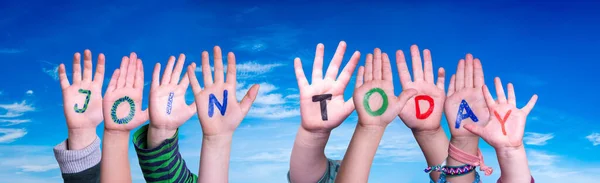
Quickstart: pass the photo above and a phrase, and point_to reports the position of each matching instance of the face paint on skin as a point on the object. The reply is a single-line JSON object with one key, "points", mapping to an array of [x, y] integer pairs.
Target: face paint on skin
{"points": [[384, 105], [128, 118], [464, 106], [170, 103], [88, 93], [212, 102], [429, 111], [323, 100], [502, 120]]}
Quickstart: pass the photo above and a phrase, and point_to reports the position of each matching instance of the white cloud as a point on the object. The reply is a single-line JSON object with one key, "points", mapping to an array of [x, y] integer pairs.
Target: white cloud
{"points": [[538, 158], [544, 169], [8, 135], [16, 109], [38, 168], [14, 121], [594, 138], [538, 139], [248, 69], [52, 72], [29, 92], [268, 103], [10, 51]]}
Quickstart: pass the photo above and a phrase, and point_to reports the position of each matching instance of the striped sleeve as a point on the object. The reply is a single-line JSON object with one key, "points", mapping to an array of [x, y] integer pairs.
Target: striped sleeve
{"points": [[163, 163]]}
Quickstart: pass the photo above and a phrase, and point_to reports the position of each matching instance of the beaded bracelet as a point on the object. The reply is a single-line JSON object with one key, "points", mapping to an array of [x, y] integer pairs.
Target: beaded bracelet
{"points": [[457, 170]]}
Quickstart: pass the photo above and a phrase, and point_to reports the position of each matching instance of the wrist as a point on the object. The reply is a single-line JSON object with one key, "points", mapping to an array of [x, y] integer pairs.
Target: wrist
{"points": [[217, 140], [427, 133], [510, 152], [311, 139], [469, 145], [158, 135], [80, 138]]}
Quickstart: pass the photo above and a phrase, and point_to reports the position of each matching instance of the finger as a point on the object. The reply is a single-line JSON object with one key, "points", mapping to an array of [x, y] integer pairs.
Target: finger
{"points": [[155, 76], [112, 85], [460, 75], [474, 129], [402, 69], [348, 107], [100, 67], [416, 63], [360, 76], [206, 72], [76, 68], [218, 59], [404, 97], [300, 77], [166, 79], [451, 87], [177, 72], [512, 99], [247, 101], [317, 74], [62, 76], [334, 65], [193, 108], [499, 91], [387, 68], [131, 70], [530, 104], [441, 78], [192, 77], [489, 100], [185, 81], [231, 69], [428, 67], [348, 70], [123, 70], [377, 62], [469, 71], [369, 68], [478, 79], [139, 75], [87, 66]]}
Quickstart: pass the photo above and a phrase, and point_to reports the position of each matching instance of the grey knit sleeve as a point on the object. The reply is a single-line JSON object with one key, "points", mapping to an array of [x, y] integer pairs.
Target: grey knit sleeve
{"points": [[75, 161]]}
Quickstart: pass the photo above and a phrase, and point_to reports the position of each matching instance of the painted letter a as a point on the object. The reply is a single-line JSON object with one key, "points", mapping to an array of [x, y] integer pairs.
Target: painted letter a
{"points": [[212, 102]]}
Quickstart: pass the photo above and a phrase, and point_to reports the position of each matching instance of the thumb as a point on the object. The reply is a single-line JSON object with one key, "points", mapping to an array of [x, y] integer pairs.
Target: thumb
{"points": [[247, 101], [404, 97], [475, 129]]}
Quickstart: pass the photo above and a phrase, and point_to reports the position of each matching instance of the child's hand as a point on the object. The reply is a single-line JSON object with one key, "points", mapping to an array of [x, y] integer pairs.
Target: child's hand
{"points": [[506, 123], [217, 106], [424, 116], [466, 86], [375, 101], [82, 100], [122, 104], [329, 90], [168, 110]]}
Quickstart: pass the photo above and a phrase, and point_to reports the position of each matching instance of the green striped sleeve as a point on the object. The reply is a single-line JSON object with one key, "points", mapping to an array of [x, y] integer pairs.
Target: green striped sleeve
{"points": [[161, 164]]}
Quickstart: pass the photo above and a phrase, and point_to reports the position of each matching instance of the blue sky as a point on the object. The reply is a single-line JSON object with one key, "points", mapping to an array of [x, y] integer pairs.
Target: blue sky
{"points": [[548, 48]]}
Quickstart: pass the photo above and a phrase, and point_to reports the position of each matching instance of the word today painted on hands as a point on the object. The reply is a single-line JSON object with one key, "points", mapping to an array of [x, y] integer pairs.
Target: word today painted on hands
{"points": [[384, 105], [464, 107], [323, 101]]}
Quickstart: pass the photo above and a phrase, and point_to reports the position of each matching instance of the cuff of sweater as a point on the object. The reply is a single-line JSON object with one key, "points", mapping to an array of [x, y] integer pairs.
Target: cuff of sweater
{"points": [[141, 145], [75, 161]]}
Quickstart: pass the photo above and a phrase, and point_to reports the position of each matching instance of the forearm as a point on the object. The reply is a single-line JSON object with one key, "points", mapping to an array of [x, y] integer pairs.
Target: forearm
{"points": [[357, 162], [80, 138], [469, 145], [214, 158], [513, 165], [115, 161], [434, 145], [308, 162]]}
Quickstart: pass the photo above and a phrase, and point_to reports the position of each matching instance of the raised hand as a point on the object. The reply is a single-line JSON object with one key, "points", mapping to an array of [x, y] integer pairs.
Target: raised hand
{"points": [[375, 100], [216, 103], [122, 104], [423, 112], [465, 103], [322, 104], [506, 123], [168, 110], [82, 100]]}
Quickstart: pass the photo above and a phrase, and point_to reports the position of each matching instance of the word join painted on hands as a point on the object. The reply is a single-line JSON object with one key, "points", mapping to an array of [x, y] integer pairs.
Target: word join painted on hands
{"points": [[502, 120], [85, 104], [126, 119], [429, 111], [468, 113], [170, 103], [323, 100], [384, 105], [212, 101]]}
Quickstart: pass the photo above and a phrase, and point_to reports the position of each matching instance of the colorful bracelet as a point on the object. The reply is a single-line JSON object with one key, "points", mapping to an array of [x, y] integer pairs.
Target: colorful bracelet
{"points": [[436, 168], [458, 170]]}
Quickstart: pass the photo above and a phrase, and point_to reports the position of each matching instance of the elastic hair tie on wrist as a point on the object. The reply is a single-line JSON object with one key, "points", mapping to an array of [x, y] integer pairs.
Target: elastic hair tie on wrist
{"points": [[466, 158]]}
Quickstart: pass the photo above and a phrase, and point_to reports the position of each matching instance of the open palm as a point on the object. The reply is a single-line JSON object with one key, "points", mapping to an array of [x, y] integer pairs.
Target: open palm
{"points": [[167, 106], [466, 85], [507, 123], [333, 91], [425, 117], [375, 101], [122, 104], [82, 100], [223, 120]]}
